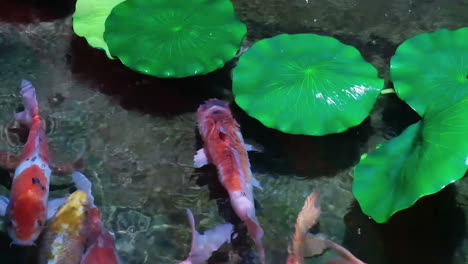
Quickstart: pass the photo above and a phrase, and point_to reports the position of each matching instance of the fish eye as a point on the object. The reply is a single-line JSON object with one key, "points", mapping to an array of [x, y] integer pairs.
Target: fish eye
{"points": [[10, 223], [215, 112], [38, 224]]}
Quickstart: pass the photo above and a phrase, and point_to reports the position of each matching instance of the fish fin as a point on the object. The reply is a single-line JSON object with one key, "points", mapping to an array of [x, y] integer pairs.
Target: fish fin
{"points": [[65, 169], [30, 104], [23, 118], [338, 261], [53, 206], [84, 184], [252, 146], [200, 158], [314, 245], [204, 245], [3, 204], [346, 256], [9, 161], [255, 182], [309, 214]]}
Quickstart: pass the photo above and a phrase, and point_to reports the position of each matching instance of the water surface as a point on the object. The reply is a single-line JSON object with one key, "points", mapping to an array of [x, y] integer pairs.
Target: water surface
{"points": [[139, 135]]}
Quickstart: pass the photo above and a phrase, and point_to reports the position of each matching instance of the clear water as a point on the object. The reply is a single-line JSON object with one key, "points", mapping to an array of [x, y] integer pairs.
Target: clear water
{"points": [[139, 135]]}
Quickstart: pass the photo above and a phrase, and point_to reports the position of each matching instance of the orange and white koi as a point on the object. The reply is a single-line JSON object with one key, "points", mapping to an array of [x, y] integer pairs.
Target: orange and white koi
{"points": [[27, 209], [100, 245], [204, 245], [225, 148], [305, 244], [63, 241]]}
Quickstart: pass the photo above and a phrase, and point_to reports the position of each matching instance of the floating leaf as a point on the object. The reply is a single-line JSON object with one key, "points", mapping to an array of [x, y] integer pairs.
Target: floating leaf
{"points": [[174, 38], [89, 19], [425, 158], [432, 68], [305, 84]]}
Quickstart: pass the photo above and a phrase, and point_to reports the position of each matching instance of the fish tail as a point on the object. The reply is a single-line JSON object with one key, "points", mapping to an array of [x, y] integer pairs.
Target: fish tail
{"points": [[82, 183], [342, 261], [31, 108], [346, 257], [244, 207], [211, 240], [338, 261], [256, 231]]}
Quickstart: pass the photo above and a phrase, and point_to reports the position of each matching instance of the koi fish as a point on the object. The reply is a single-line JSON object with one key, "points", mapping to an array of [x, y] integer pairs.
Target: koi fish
{"points": [[100, 245], [306, 218], [204, 245], [225, 148], [28, 208], [305, 244], [62, 241]]}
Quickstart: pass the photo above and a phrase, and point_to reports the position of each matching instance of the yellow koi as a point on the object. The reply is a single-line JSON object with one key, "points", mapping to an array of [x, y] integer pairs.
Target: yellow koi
{"points": [[63, 241]]}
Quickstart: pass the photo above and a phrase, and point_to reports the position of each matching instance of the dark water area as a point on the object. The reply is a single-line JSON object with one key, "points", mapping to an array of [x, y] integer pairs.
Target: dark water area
{"points": [[147, 94], [140, 135], [29, 11]]}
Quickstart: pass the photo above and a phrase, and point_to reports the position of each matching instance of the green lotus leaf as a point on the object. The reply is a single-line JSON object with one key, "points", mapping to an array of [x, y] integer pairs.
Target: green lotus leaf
{"points": [[432, 67], [174, 38], [305, 84], [425, 158], [89, 19]]}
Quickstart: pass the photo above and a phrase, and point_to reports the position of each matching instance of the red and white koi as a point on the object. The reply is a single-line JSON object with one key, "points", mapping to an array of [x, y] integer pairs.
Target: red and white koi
{"points": [[225, 148], [100, 245], [27, 209], [204, 245]]}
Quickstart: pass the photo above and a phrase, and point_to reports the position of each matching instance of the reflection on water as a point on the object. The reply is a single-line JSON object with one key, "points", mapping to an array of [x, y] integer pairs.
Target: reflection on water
{"points": [[139, 136]]}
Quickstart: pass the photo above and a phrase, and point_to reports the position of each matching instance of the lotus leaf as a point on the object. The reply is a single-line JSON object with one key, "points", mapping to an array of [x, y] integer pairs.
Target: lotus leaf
{"points": [[305, 84], [425, 158], [432, 69], [89, 19], [174, 38]]}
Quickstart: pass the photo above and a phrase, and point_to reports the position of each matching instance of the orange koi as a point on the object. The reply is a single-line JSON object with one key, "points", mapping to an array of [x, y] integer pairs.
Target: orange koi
{"points": [[225, 148], [305, 244], [100, 245], [28, 208], [62, 241], [204, 245]]}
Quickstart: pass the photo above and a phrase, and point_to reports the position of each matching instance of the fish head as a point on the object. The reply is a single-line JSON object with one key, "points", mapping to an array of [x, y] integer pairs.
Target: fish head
{"points": [[76, 206], [26, 217], [73, 212], [213, 115]]}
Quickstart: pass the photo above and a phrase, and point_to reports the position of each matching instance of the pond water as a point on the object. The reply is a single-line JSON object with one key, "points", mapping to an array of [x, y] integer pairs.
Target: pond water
{"points": [[139, 136]]}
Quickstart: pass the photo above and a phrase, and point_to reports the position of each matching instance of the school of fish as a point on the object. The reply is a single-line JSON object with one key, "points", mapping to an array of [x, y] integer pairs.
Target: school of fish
{"points": [[69, 230]]}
